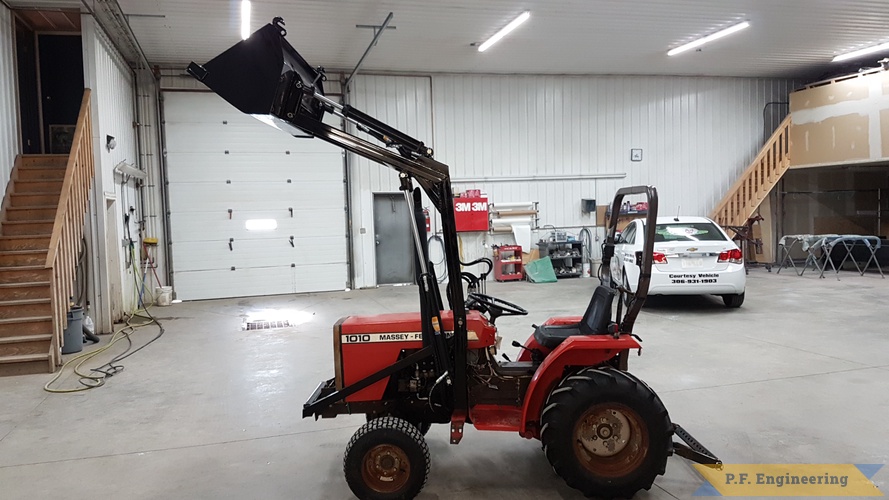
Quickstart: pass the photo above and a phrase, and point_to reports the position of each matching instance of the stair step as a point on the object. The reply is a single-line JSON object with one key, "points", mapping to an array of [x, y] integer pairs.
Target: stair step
{"points": [[39, 186], [25, 338], [13, 258], [44, 161], [25, 364], [36, 174], [24, 274], [33, 199], [16, 327], [31, 213], [24, 243], [27, 227], [25, 344], [25, 308], [19, 291]]}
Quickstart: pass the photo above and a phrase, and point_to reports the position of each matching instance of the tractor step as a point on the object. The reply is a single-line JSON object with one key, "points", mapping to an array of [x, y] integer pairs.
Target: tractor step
{"points": [[458, 418], [694, 451]]}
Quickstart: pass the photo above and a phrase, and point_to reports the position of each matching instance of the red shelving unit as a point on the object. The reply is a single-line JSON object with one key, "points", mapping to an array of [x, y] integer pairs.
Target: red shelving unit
{"points": [[508, 263]]}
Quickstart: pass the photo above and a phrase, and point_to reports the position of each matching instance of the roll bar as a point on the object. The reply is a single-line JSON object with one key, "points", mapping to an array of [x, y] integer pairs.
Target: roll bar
{"points": [[638, 300]]}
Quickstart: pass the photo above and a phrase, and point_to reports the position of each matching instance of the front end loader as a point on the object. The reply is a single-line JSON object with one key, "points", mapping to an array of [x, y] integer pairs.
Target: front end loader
{"points": [[605, 432]]}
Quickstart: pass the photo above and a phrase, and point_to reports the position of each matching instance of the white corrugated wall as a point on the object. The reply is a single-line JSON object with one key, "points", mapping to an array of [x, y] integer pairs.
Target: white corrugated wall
{"points": [[112, 84], [405, 103], [697, 136], [9, 138]]}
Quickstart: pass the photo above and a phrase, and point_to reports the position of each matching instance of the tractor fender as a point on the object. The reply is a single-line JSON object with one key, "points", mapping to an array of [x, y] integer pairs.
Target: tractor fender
{"points": [[576, 351]]}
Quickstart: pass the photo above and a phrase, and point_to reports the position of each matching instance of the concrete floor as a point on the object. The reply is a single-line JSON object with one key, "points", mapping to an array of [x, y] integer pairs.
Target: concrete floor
{"points": [[797, 375]]}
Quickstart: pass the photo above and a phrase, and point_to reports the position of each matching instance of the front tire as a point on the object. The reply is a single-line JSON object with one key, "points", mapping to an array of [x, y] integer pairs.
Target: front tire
{"points": [[733, 301], [422, 425], [606, 433], [386, 459]]}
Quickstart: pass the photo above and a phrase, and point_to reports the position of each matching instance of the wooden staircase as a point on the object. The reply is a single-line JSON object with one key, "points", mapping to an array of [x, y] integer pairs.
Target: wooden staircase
{"points": [[41, 228], [746, 195]]}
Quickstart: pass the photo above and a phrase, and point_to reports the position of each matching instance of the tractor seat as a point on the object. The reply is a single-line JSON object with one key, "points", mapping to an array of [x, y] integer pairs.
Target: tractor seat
{"points": [[595, 321]]}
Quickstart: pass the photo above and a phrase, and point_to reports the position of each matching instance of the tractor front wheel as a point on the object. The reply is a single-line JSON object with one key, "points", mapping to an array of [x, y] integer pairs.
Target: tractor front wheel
{"points": [[422, 425], [387, 459], [606, 433]]}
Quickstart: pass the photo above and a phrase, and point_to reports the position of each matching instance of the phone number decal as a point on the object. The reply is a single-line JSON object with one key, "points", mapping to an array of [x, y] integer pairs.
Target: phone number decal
{"points": [[694, 279]]}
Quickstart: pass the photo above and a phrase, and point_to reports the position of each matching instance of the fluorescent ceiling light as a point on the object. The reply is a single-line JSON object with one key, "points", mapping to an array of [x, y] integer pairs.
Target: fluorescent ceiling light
{"points": [[709, 38], [861, 52], [261, 224], [245, 19], [505, 31]]}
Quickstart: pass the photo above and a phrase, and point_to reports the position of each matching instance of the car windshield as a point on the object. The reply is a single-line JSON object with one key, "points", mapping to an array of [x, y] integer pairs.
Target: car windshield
{"points": [[688, 231]]}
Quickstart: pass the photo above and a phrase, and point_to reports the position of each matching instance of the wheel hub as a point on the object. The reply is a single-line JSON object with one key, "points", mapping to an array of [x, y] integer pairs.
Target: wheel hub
{"points": [[386, 468], [604, 433]]}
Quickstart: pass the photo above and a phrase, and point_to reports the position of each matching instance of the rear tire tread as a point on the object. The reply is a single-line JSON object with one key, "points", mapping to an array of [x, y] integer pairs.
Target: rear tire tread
{"points": [[593, 386]]}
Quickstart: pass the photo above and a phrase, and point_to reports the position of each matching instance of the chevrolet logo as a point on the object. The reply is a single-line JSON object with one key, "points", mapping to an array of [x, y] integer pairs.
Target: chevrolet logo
{"points": [[693, 249]]}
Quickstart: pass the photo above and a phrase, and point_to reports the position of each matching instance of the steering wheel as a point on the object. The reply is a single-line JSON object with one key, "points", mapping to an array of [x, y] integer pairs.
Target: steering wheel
{"points": [[494, 307]]}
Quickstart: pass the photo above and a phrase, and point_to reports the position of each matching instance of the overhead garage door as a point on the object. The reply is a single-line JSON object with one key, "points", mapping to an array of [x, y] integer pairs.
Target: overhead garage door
{"points": [[253, 210]]}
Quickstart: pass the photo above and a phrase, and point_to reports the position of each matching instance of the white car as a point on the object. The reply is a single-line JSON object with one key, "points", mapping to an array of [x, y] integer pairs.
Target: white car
{"points": [[692, 256]]}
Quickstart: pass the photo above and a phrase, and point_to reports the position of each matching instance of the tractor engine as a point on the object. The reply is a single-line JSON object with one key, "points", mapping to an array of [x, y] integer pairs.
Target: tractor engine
{"points": [[364, 345]]}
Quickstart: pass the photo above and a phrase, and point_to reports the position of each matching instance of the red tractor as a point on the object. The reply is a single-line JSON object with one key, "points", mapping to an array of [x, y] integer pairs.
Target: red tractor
{"points": [[603, 430]]}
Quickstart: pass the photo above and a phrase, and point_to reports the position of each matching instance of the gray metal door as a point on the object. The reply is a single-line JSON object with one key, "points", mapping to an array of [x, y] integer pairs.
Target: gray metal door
{"points": [[392, 235]]}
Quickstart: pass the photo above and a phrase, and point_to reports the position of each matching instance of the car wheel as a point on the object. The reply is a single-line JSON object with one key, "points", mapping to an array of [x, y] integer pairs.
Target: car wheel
{"points": [[628, 296], [733, 301]]}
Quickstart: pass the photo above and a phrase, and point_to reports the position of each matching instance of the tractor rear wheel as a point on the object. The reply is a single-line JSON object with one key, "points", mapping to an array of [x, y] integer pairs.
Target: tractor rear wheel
{"points": [[386, 459], [606, 433]]}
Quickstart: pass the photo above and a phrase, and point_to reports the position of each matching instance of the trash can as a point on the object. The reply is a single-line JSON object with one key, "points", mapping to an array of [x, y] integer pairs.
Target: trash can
{"points": [[73, 336]]}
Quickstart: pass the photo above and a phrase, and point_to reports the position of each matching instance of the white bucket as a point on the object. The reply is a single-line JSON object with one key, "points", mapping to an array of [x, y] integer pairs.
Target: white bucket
{"points": [[586, 270], [164, 295]]}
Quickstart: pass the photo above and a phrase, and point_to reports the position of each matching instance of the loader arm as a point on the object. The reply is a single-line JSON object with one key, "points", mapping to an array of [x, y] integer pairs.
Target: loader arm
{"points": [[264, 76]]}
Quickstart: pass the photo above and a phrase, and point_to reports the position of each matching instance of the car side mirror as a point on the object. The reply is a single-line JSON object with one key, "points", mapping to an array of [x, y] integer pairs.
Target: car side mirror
{"points": [[618, 239]]}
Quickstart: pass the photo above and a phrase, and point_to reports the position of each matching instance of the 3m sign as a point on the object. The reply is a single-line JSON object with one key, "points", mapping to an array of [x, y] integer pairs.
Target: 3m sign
{"points": [[471, 214]]}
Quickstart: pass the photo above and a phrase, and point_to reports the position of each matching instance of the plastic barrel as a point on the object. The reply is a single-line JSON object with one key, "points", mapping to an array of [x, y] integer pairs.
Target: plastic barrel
{"points": [[73, 336]]}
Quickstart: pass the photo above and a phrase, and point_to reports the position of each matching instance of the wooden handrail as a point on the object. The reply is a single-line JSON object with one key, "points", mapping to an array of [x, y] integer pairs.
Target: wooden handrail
{"points": [[82, 134], [6, 198], [67, 232], [745, 196]]}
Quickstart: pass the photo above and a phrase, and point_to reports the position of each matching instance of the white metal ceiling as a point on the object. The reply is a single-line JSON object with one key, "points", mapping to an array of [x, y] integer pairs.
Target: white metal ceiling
{"points": [[787, 37]]}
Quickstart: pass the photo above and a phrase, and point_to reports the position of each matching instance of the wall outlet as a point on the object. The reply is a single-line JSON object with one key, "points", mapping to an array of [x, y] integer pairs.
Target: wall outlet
{"points": [[635, 155]]}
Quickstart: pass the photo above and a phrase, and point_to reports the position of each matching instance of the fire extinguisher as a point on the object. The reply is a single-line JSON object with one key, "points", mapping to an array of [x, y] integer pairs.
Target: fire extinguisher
{"points": [[428, 222]]}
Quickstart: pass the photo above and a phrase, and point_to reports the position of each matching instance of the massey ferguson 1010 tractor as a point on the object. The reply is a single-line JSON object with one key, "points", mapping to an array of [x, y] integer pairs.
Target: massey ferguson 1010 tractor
{"points": [[603, 430]]}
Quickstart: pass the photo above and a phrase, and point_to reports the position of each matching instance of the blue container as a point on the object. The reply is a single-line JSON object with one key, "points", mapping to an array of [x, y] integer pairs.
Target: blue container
{"points": [[73, 336]]}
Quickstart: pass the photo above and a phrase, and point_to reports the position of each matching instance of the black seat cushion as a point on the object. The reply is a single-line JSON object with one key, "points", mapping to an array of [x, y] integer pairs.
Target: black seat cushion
{"points": [[595, 321]]}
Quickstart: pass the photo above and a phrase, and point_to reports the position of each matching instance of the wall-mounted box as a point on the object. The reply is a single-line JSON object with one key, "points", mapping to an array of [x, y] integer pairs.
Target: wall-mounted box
{"points": [[471, 214]]}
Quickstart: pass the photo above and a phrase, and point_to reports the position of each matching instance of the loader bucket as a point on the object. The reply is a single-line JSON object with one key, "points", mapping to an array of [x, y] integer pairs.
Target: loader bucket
{"points": [[262, 76]]}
